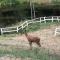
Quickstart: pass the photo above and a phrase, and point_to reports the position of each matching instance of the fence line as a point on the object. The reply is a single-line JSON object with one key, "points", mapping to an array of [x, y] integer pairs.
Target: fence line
{"points": [[26, 23]]}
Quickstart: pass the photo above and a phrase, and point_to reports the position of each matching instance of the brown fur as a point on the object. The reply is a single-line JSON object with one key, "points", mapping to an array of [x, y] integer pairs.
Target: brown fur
{"points": [[32, 39]]}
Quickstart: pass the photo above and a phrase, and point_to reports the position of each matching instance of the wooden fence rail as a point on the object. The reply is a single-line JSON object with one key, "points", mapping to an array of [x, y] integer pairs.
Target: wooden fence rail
{"points": [[26, 23]]}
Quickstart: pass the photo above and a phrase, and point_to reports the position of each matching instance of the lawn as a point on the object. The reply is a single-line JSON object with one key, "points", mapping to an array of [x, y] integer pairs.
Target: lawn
{"points": [[34, 54]]}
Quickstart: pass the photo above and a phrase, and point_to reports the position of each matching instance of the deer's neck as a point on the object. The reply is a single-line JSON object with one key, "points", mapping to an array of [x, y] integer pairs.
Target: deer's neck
{"points": [[26, 35]]}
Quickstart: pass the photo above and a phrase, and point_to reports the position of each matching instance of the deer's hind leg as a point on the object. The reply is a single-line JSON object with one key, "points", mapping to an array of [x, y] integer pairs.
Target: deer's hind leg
{"points": [[30, 43], [38, 43]]}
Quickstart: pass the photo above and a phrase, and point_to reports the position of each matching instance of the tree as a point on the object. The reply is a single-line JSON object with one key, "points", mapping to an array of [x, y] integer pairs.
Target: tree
{"points": [[31, 8], [8, 3]]}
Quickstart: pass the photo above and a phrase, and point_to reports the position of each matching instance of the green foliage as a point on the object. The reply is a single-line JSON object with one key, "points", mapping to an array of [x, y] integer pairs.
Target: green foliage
{"points": [[56, 2], [20, 10], [8, 3]]}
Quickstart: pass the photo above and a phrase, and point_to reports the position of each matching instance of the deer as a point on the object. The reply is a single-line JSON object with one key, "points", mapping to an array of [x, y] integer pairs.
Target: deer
{"points": [[32, 39]]}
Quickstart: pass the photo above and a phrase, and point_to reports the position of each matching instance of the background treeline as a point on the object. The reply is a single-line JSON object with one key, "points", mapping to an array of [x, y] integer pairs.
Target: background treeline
{"points": [[12, 11]]}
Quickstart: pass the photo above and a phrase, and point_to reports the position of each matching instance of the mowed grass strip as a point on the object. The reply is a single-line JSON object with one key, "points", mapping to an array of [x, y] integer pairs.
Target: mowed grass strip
{"points": [[34, 54]]}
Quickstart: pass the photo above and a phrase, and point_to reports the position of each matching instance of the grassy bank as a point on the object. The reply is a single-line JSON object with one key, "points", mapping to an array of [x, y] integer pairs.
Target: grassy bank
{"points": [[40, 26], [34, 54]]}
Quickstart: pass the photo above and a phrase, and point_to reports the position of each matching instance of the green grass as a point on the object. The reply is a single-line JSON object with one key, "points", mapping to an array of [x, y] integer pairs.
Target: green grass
{"points": [[34, 54], [37, 1], [39, 26]]}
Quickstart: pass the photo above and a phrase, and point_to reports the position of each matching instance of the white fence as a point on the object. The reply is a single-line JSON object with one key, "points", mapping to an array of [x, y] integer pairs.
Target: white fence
{"points": [[26, 23], [57, 31]]}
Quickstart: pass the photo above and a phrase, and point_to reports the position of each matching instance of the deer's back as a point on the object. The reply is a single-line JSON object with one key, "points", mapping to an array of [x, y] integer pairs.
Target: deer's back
{"points": [[33, 39]]}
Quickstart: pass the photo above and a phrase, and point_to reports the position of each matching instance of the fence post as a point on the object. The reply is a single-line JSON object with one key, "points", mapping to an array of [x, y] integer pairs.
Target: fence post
{"points": [[52, 19], [1, 31], [55, 32], [44, 20], [57, 18], [22, 27], [27, 23], [17, 29], [40, 19]]}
